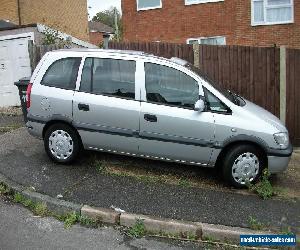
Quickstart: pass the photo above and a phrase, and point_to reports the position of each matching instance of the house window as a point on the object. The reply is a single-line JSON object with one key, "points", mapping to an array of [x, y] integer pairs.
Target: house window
{"points": [[267, 12], [190, 2], [148, 4], [215, 40]]}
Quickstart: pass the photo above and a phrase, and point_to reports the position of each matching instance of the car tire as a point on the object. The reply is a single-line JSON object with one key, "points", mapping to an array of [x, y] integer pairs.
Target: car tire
{"points": [[62, 143], [243, 164]]}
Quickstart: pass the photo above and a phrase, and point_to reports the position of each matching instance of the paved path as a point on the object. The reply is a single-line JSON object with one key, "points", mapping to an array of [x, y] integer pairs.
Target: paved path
{"points": [[19, 229], [23, 159]]}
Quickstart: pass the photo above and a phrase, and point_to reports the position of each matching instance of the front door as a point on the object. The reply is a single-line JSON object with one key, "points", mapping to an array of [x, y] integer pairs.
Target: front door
{"points": [[169, 126], [106, 113]]}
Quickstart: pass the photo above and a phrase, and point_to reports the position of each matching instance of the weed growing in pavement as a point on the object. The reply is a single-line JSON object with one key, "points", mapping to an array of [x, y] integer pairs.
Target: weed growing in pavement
{"points": [[138, 229], [70, 219], [100, 166], [85, 221], [40, 209], [4, 189], [191, 236], [18, 198], [255, 224], [264, 187], [37, 208]]}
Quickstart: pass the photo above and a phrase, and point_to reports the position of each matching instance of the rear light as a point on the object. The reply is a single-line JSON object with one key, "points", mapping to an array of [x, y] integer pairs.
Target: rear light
{"points": [[28, 95]]}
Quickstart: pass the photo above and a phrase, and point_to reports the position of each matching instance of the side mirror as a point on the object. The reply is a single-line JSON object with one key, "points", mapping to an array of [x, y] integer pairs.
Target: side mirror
{"points": [[199, 105]]}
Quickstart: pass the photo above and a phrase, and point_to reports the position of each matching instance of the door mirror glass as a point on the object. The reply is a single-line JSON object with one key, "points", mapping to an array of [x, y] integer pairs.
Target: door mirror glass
{"points": [[199, 105]]}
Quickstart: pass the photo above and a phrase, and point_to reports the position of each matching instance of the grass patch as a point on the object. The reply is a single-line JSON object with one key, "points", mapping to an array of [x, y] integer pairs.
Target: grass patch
{"points": [[183, 182], [138, 229], [255, 224], [100, 166], [104, 167], [10, 128], [264, 187]]}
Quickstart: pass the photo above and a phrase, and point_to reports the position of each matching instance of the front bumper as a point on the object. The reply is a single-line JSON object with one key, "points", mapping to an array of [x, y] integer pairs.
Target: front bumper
{"points": [[277, 164], [278, 159]]}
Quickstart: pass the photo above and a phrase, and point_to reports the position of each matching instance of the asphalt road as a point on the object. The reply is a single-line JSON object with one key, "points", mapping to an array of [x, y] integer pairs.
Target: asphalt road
{"points": [[23, 159], [19, 229]]}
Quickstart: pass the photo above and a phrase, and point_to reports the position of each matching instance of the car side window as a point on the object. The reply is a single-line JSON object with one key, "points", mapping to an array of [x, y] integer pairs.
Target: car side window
{"points": [[62, 73], [169, 86], [109, 77], [214, 104]]}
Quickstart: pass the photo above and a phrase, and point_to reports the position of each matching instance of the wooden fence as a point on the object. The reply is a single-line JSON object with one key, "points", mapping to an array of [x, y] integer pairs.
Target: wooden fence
{"points": [[167, 50], [36, 52], [293, 94], [252, 72]]}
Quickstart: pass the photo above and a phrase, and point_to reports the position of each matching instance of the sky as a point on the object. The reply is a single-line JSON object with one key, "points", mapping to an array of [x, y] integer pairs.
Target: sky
{"points": [[100, 5]]}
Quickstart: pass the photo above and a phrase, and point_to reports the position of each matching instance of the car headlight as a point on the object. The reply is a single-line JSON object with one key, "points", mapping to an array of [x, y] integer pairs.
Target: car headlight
{"points": [[282, 139]]}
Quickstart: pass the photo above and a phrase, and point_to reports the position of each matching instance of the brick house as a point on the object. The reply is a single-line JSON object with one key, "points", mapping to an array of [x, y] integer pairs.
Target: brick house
{"points": [[65, 15], [97, 30], [231, 22]]}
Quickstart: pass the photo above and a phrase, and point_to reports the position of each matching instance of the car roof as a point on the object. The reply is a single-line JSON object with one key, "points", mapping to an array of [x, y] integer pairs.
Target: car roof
{"points": [[134, 53]]}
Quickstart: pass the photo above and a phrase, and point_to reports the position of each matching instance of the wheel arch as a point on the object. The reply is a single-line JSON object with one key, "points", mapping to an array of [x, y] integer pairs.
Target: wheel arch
{"points": [[243, 140], [58, 121]]}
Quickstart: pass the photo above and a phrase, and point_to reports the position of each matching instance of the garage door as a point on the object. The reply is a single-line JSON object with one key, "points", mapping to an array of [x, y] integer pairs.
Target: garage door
{"points": [[14, 64]]}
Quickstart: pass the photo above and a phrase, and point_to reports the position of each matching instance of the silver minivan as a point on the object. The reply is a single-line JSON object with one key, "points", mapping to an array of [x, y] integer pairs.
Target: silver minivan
{"points": [[137, 104]]}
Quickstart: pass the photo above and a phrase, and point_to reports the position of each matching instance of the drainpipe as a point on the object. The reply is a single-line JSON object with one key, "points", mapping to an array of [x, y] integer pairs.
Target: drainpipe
{"points": [[19, 12]]}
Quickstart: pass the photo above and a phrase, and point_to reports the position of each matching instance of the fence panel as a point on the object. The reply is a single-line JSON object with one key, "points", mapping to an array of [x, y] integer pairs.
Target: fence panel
{"points": [[167, 50], [292, 95], [36, 52], [249, 71]]}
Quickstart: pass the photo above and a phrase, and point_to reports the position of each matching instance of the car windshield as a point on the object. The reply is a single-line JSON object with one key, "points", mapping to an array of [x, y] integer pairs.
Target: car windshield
{"points": [[234, 98]]}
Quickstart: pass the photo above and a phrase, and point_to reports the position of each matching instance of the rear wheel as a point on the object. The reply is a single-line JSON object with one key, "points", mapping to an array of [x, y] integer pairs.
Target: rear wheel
{"points": [[243, 164], [61, 143]]}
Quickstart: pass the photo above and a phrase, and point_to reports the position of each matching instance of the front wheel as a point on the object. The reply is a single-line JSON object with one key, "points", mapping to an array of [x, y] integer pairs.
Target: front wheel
{"points": [[61, 143], [243, 165]]}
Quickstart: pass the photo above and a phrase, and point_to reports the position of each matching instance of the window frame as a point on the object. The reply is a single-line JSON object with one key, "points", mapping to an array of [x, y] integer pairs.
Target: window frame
{"points": [[265, 7], [206, 37], [177, 67], [201, 2], [55, 61], [207, 109], [78, 87], [148, 8]]}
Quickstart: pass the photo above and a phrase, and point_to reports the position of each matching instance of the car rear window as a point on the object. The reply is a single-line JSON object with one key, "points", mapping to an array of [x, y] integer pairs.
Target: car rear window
{"points": [[62, 73]]}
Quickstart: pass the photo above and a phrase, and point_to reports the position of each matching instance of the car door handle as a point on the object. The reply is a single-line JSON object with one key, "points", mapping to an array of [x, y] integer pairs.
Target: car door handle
{"points": [[83, 107], [150, 118]]}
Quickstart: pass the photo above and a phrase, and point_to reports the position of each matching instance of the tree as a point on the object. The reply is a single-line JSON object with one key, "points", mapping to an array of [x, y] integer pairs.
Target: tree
{"points": [[111, 17]]}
